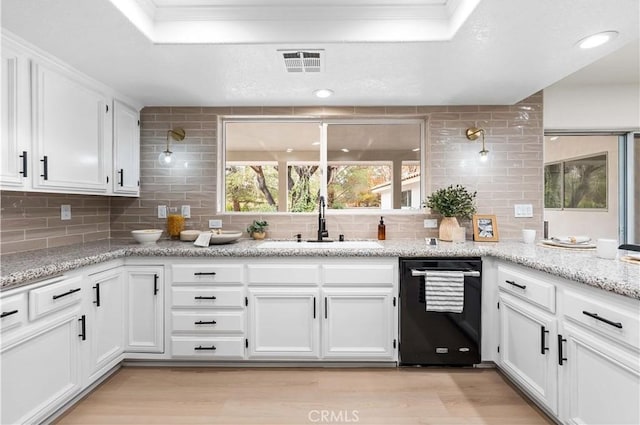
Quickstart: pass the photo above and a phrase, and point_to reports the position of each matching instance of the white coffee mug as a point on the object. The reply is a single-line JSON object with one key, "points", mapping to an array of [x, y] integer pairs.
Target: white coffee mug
{"points": [[607, 248], [528, 235]]}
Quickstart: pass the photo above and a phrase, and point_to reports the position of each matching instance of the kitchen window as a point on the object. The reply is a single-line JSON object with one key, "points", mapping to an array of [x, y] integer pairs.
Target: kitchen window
{"points": [[285, 164], [576, 183]]}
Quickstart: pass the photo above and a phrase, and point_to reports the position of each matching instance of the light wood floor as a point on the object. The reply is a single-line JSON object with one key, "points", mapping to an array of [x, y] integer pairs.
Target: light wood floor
{"points": [[137, 395]]}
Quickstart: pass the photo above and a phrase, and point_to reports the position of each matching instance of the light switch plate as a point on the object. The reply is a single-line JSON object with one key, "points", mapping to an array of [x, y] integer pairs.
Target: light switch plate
{"points": [[215, 224], [65, 212], [430, 223], [523, 210], [186, 211], [162, 211]]}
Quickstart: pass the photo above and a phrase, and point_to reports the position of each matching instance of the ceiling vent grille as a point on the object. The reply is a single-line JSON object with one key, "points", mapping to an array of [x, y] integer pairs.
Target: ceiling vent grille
{"points": [[303, 61]]}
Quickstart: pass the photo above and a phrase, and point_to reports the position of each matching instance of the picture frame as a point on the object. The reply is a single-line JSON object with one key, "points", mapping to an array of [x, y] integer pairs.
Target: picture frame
{"points": [[485, 228]]}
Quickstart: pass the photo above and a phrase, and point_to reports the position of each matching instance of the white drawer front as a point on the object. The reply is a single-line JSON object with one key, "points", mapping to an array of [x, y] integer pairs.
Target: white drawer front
{"points": [[366, 274], [207, 273], [208, 321], [528, 287], [276, 274], [615, 321], [54, 297], [207, 297], [209, 348], [14, 311]]}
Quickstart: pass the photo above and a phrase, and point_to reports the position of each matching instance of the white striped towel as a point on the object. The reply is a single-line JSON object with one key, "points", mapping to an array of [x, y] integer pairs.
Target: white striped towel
{"points": [[444, 291]]}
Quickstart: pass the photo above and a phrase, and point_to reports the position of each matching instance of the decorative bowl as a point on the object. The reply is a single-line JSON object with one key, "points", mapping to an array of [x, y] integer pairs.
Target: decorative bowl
{"points": [[224, 236], [146, 236]]}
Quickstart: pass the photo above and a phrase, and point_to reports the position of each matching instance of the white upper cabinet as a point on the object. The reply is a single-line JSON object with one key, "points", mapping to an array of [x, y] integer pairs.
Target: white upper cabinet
{"points": [[14, 156], [126, 149], [70, 128]]}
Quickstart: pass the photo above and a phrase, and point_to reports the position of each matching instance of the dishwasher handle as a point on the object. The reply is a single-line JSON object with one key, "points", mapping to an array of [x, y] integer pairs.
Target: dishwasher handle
{"points": [[470, 273]]}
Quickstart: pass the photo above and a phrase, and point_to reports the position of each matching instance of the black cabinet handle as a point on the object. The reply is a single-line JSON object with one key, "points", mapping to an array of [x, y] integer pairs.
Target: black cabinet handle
{"points": [[83, 332], [602, 319], [24, 164], [7, 313], [325, 307], [511, 282], [155, 284], [200, 347], [71, 291], [204, 322], [121, 173], [543, 347], [45, 169], [199, 297], [204, 273], [561, 357], [314, 307], [97, 301]]}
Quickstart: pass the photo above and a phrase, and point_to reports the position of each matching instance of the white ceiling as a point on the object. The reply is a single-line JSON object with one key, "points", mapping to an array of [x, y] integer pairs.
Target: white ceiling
{"points": [[502, 53]]}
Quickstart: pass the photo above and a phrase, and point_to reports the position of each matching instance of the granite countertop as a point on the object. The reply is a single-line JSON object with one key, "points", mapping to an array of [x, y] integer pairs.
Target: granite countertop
{"points": [[581, 266]]}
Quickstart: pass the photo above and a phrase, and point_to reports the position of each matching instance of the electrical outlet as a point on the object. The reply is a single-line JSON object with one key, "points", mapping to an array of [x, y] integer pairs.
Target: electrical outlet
{"points": [[186, 211], [162, 211], [523, 210], [65, 212], [430, 223], [215, 224]]}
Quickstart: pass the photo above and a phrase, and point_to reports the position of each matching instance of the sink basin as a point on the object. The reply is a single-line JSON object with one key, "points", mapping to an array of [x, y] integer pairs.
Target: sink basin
{"points": [[320, 245]]}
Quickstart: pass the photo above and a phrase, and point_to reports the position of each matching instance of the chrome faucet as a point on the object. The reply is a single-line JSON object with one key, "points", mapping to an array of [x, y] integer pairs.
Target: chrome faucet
{"points": [[322, 222]]}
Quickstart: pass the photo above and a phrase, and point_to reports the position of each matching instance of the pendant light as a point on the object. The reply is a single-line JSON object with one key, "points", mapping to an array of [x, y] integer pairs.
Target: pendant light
{"points": [[166, 157], [473, 133]]}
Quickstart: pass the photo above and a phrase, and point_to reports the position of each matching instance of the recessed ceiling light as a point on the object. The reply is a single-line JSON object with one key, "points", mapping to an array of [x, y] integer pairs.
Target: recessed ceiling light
{"points": [[598, 39], [345, 150], [415, 150], [554, 138], [315, 143], [323, 93]]}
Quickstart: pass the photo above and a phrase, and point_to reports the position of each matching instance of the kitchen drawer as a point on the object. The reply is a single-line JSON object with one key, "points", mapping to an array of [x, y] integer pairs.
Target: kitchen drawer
{"points": [[201, 321], [225, 347], [365, 274], [206, 273], [528, 287], [618, 322], [277, 274], [14, 311], [55, 296], [207, 297]]}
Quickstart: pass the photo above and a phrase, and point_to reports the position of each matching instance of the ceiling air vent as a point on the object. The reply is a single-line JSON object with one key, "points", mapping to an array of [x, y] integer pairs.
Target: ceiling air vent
{"points": [[303, 61]]}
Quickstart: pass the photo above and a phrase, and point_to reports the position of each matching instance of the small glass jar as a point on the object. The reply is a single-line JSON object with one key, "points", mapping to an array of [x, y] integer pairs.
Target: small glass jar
{"points": [[175, 223]]}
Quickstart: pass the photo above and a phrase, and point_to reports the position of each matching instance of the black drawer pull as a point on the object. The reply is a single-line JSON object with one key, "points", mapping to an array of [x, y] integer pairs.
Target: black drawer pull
{"points": [[83, 333], [45, 168], [7, 313], [511, 282], [204, 273], [204, 322], [543, 347], [200, 347], [71, 291], [121, 173], [155, 284], [24, 164], [97, 301], [561, 357], [602, 319], [200, 297]]}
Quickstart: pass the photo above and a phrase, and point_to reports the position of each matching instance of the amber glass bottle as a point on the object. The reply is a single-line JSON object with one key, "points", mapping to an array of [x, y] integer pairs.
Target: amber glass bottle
{"points": [[382, 231]]}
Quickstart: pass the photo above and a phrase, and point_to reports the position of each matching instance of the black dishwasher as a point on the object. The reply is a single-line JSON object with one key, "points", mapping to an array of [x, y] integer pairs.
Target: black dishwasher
{"points": [[430, 338]]}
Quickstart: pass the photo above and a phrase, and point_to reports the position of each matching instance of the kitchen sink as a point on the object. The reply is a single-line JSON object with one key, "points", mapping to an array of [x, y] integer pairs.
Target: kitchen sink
{"points": [[320, 245]]}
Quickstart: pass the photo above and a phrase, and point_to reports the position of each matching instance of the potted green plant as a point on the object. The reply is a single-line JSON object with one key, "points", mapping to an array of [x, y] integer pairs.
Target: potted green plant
{"points": [[257, 229], [452, 202]]}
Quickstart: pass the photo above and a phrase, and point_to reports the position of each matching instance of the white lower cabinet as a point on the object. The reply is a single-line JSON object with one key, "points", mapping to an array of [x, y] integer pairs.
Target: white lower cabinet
{"points": [[600, 379], [105, 321], [358, 322], [284, 323], [144, 309], [527, 348]]}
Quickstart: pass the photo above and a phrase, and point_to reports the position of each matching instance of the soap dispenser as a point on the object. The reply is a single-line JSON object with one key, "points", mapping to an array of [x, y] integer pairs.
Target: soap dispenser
{"points": [[382, 231]]}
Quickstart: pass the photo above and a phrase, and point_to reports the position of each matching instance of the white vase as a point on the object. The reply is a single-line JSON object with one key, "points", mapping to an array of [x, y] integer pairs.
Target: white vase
{"points": [[447, 226]]}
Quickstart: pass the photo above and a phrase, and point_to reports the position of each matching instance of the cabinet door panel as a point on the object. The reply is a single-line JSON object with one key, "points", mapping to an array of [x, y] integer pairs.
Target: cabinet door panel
{"points": [[358, 323], [126, 149], [283, 323], [596, 374], [145, 314], [522, 354], [40, 373]]}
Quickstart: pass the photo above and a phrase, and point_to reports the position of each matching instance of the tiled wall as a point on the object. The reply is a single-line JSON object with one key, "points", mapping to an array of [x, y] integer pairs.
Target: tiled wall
{"points": [[513, 174], [32, 220], [514, 137]]}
